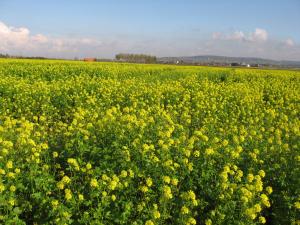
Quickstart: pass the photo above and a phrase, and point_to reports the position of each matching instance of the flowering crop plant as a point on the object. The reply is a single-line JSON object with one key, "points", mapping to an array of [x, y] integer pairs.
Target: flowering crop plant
{"points": [[117, 143]]}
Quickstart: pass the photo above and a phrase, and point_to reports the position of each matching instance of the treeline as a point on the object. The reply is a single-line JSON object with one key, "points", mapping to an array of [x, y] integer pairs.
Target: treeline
{"points": [[21, 57], [136, 58], [4, 55]]}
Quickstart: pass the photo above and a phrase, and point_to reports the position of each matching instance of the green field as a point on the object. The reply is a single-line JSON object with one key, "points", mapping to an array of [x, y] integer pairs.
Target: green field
{"points": [[111, 143]]}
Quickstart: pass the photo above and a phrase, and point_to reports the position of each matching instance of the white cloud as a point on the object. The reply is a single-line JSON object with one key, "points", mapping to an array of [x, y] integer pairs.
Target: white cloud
{"points": [[217, 35], [237, 35], [289, 42], [21, 41], [255, 44], [11, 36], [40, 38], [251, 44], [259, 35], [256, 36]]}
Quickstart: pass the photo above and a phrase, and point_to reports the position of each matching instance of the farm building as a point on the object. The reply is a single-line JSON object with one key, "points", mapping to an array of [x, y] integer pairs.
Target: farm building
{"points": [[89, 59]]}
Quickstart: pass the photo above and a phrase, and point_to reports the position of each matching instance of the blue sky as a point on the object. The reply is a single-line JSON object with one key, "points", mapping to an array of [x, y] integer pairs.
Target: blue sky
{"points": [[103, 28]]}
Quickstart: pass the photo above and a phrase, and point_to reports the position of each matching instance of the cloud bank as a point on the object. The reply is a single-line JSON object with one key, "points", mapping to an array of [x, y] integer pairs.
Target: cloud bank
{"points": [[252, 44], [258, 43], [259, 35], [20, 41]]}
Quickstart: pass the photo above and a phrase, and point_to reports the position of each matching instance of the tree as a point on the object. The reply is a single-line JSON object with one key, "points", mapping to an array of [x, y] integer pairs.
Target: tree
{"points": [[137, 58]]}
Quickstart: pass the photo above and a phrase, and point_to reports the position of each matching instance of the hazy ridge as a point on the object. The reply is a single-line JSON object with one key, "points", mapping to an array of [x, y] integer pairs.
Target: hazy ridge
{"points": [[228, 60]]}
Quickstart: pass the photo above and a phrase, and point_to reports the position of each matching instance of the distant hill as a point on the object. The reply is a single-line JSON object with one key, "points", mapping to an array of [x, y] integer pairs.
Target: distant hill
{"points": [[228, 60]]}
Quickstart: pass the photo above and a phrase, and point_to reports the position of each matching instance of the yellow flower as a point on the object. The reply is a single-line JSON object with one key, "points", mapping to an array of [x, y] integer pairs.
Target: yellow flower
{"points": [[12, 188], [73, 162], [204, 138], [11, 175], [250, 177], [60, 185], [149, 222], [252, 216], [2, 188], [113, 185], [149, 182], [66, 180], [105, 177], [261, 173], [297, 205], [68, 194], [265, 200], [258, 185], [257, 208], [2, 171], [192, 221], [244, 199], [184, 210], [269, 190], [124, 173], [225, 143], [80, 197], [195, 203], [196, 153], [9, 164], [164, 147], [144, 189], [66, 214], [208, 222], [44, 146], [239, 149], [113, 198], [242, 138], [54, 203], [250, 212], [88, 166], [167, 192], [8, 144], [94, 183], [156, 214], [174, 181], [191, 195], [209, 151], [167, 179], [236, 139], [4, 151], [262, 219], [240, 173], [224, 176], [226, 169], [55, 154], [11, 202]]}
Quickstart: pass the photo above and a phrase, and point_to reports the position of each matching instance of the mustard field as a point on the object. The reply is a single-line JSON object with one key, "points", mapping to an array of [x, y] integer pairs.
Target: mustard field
{"points": [[111, 143]]}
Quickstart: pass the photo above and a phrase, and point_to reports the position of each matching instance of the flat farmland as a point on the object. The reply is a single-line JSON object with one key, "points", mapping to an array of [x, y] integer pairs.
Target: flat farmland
{"points": [[113, 143]]}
